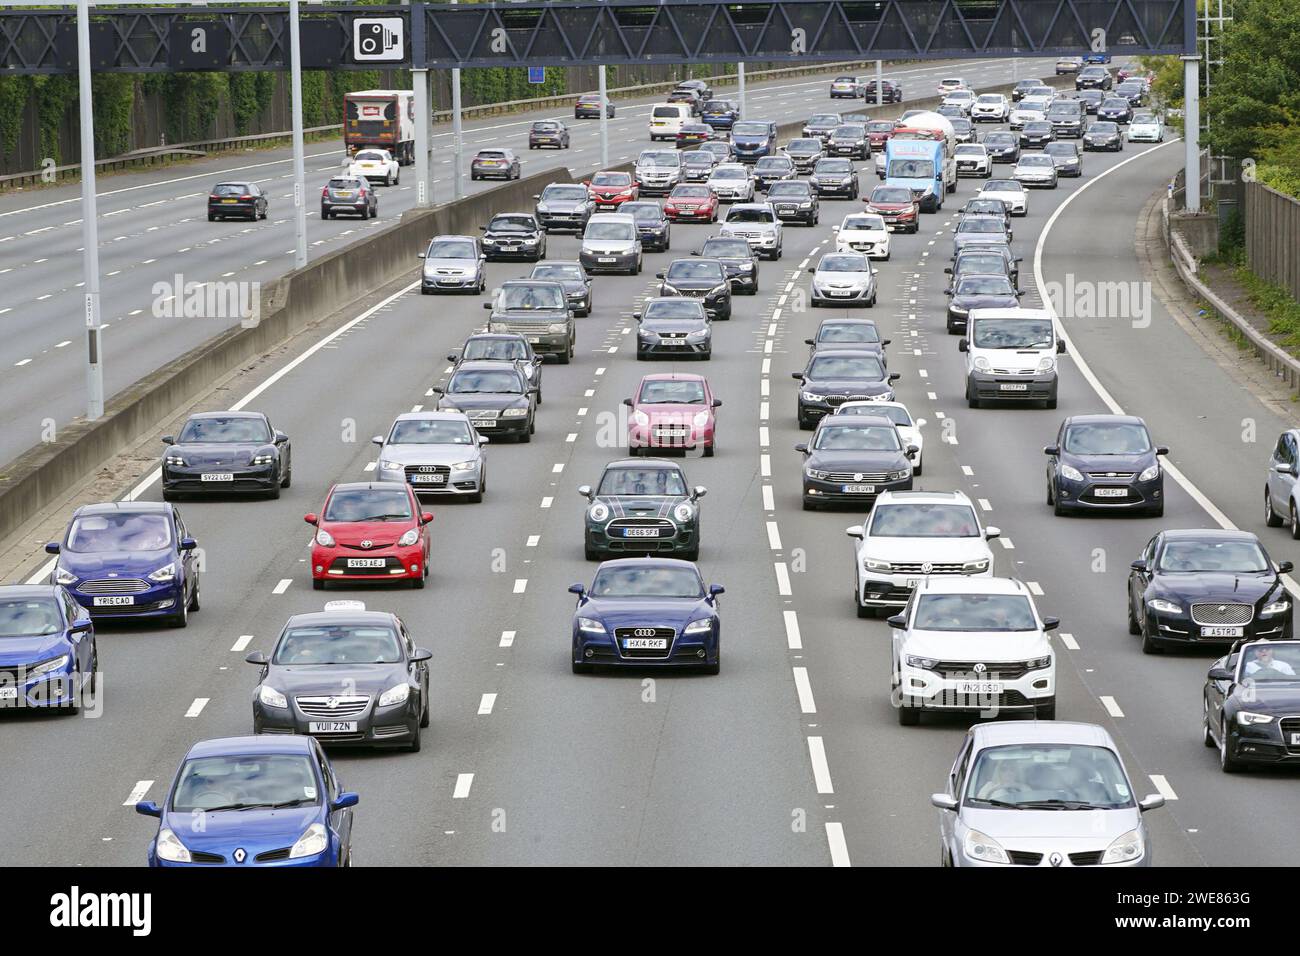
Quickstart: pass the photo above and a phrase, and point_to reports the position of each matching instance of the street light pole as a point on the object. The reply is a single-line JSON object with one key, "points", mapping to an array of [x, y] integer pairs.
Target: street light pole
{"points": [[457, 145], [604, 120], [740, 87], [880, 83], [299, 161], [1191, 133], [89, 222]]}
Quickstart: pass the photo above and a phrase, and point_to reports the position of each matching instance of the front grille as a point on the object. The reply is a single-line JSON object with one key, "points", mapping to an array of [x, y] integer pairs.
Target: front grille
{"points": [[373, 546], [962, 670], [339, 568], [858, 476], [347, 707], [1090, 858], [834, 400], [1111, 475], [524, 328], [1024, 858], [917, 567], [419, 475], [659, 632], [1211, 614], [1289, 726], [198, 856], [273, 856], [1012, 371], [114, 586], [666, 528], [693, 293]]}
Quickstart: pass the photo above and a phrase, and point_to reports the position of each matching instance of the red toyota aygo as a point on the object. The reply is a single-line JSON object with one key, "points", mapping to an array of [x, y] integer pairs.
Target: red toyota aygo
{"points": [[672, 410], [370, 531]]}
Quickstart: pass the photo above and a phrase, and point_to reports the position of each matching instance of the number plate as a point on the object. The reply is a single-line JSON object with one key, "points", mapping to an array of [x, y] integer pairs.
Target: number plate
{"points": [[841, 292], [483, 422], [332, 727], [858, 489], [229, 201], [366, 562], [645, 644], [1014, 387], [343, 194], [606, 259], [1111, 492], [1295, 738], [1222, 631], [982, 688], [217, 476], [534, 339], [124, 600], [11, 693], [640, 532], [429, 479], [674, 343]]}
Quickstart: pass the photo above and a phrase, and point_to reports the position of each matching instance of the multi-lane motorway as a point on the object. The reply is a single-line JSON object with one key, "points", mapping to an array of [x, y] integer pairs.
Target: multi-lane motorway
{"points": [[792, 755]]}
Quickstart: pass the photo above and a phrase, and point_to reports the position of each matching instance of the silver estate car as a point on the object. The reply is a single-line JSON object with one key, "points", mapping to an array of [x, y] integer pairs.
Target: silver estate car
{"points": [[1041, 793], [435, 453]]}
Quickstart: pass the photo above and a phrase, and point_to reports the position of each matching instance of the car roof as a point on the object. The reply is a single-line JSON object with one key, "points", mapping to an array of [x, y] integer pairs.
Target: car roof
{"points": [[350, 616], [369, 485], [432, 416], [1015, 312], [486, 365], [20, 592], [1104, 419], [215, 414], [924, 498], [673, 377], [663, 463], [844, 320], [259, 744], [1003, 732], [964, 584], [512, 336], [452, 236], [649, 562], [133, 507], [849, 353], [1215, 534], [541, 281]]}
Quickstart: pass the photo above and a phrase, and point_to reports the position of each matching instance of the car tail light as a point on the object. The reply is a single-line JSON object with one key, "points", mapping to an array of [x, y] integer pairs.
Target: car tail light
{"points": [[325, 191], [245, 197], [213, 196]]}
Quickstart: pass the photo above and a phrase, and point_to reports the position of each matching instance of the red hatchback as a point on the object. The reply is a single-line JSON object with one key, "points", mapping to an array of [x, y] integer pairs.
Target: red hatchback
{"points": [[672, 410], [370, 531], [610, 190], [897, 206], [691, 202]]}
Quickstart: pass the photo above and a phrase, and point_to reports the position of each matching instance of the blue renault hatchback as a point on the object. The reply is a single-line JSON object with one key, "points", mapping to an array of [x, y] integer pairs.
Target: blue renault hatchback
{"points": [[253, 801], [48, 655], [129, 559]]}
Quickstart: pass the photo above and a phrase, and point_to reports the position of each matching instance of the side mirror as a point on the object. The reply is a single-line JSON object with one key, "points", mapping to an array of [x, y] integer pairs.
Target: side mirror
{"points": [[536, 196], [637, 316], [281, 438], [419, 255], [310, 519], [82, 627], [585, 491], [487, 305], [1152, 801], [483, 440], [1052, 450], [698, 492], [948, 291], [797, 375], [812, 269], [345, 801], [256, 657], [577, 589], [884, 342], [897, 621], [992, 532], [51, 547], [659, 275], [482, 228], [809, 342], [426, 517], [1060, 346], [1051, 623], [854, 531], [421, 655], [1139, 565], [921, 422], [377, 440], [168, 439], [148, 808], [451, 356], [1164, 450], [963, 346], [943, 801], [895, 376], [1285, 567], [695, 252], [716, 589], [802, 448], [717, 403], [188, 544], [1219, 673], [912, 451], [1019, 293], [947, 270]]}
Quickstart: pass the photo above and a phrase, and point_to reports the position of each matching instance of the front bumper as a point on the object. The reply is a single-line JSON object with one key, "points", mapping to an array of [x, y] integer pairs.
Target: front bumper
{"points": [[593, 648], [563, 220], [400, 564], [870, 249], [607, 262], [519, 251], [377, 726], [56, 689], [695, 214], [1028, 388], [673, 538], [1265, 743], [672, 436], [834, 189], [973, 169], [816, 490], [893, 590], [1181, 629], [437, 283], [484, 172], [1042, 182], [454, 483], [261, 478], [766, 242], [654, 241], [159, 600], [813, 411], [1090, 494], [842, 297], [661, 347], [656, 187], [793, 212], [749, 154], [933, 690]]}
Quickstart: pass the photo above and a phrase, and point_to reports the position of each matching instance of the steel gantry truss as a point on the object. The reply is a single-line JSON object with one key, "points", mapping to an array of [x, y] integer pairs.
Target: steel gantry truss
{"points": [[569, 32]]}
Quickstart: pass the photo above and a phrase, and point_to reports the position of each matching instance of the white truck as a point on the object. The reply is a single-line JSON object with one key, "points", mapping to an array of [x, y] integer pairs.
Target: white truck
{"points": [[380, 119]]}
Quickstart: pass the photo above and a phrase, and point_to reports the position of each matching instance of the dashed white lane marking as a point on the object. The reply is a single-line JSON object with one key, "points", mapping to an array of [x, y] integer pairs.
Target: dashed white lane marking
{"points": [[463, 782], [804, 687], [1006, 543], [763, 436], [967, 470], [557, 468], [370, 465], [242, 643], [485, 704], [838, 845], [769, 502], [532, 540], [582, 411], [572, 436], [1035, 588], [782, 578], [1111, 706], [793, 639], [1069, 641], [137, 793], [821, 769], [546, 502], [417, 408], [1162, 785], [25, 361], [773, 536], [507, 639], [763, 409], [600, 371], [765, 465], [521, 585], [64, 343], [923, 373], [282, 586], [196, 708], [984, 504]]}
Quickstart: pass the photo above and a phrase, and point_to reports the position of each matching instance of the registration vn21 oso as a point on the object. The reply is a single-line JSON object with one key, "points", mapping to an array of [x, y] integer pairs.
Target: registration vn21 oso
{"points": [[1171, 897]]}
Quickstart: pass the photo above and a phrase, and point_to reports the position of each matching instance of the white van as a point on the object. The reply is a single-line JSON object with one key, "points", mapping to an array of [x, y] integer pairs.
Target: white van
{"points": [[667, 119], [1011, 356]]}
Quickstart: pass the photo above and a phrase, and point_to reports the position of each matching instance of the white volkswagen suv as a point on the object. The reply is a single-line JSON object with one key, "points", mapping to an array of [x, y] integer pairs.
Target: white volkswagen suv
{"points": [[975, 646], [913, 535]]}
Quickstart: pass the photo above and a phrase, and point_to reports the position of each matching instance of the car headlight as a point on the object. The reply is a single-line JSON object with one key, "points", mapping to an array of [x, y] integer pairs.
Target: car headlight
{"points": [[640, 417], [1164, 607], [408, 539], [64, 577], [899, 475], [463, 465], [975, 567], [1277, 607], [324, 538], [514, 412], [700, 420], [1071, 473], [981, 846], [699, 335], [1038, 663], [684, 512], [45, 667], [1046, 364], [530, 242], [703, 626], [166, 573], [263, 459], [981, 364], [1150, 474], [396, 694], [542, 207], [170, 848], [876, 564], [312, 842], [924, 663], [599, 511], [747, 267], [817, 474], [720, 289], [556, 328], [176, 460], [810, 396], [805, 205], [271, 697], [1126, 848], [1245, 718], [957, 309], [591, 624]]}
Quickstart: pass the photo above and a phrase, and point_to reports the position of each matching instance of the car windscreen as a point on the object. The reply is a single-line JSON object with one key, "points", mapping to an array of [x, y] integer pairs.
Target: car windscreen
{"points": [[1048, 777], [750, 129], [804, 146], [666, 112], [1105, 128], [643, 212], [495, 350], [642, 481], [1038, 128], [841, 332], [1029, 161], [730, 172], [980, 224], [735, 214], [534, 297], [849, 131], [924, 520], [1231, 556], [229, 189], [856, 437], [610, 231], [974, 612], [564, 193], [843, 262], [895, 413], [1000, 139], [990, 98], [496, 154], [1059, 149], [687, 269], [985, 285], [770, 164], [891, 195], [1013, 333], [1107, 438], [833, 167], [451, 249], [880, 126], [245, 781], [1271, 662], [674, 308], [969, 149], [826, 367], [989, 207], [544, 127], [339, 644], [424, 431], [119, 531], [612, 179], [512, 224], [223, 430], [372, 156], [559, 271], [691, 192], [980, 263], [670, 392], [344, 182], [647, 582], [911, 169], [1002, 186], [790, 190], [727, 249], [368, 504], [470, 381], [29, 617], [863, 223], [659, 160]]}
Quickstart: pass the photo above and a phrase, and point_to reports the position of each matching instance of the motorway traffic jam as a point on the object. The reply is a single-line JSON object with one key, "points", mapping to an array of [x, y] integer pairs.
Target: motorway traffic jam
{"points": [[791, 264]]}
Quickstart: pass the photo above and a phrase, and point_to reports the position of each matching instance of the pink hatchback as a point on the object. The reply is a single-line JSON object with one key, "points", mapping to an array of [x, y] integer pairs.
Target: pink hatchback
{"points": [[672, 410]]}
